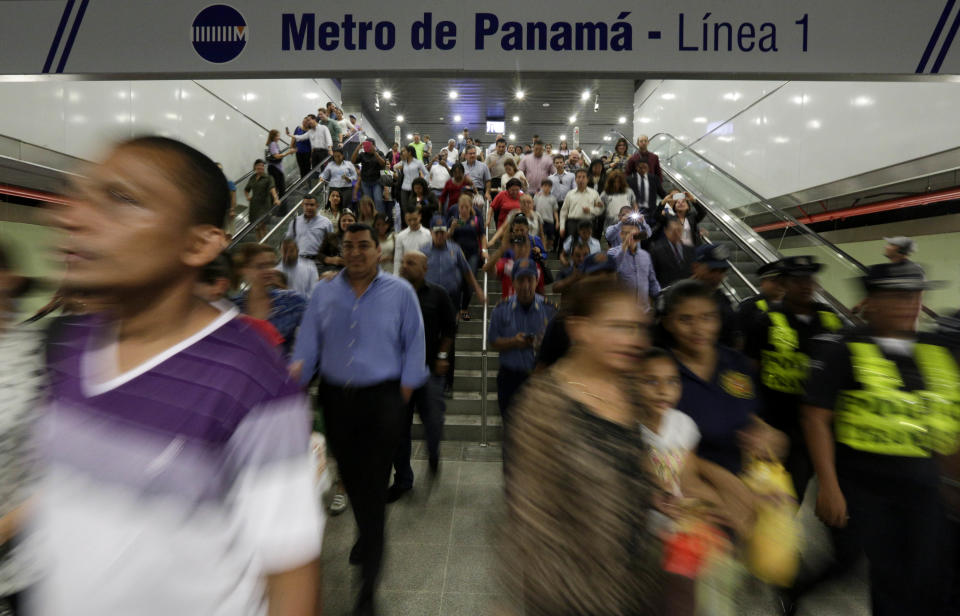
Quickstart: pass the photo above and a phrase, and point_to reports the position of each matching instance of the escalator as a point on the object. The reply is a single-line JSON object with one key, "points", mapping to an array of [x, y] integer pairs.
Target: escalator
{"points": [[278, 219], [733, 209]]}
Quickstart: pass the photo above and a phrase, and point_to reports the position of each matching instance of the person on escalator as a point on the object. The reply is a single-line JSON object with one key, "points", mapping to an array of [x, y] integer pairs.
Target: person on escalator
{"points": [[646, 188], [684, 208], [261, 193]]}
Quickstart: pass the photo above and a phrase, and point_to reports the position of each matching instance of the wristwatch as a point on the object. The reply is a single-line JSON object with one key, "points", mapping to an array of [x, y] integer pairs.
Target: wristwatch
{"points": [[441, 355]]}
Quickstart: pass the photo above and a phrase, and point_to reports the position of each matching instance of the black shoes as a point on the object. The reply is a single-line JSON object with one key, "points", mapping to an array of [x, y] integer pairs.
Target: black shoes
{"points": [[395, 493], [365, 608], [434, 467]]}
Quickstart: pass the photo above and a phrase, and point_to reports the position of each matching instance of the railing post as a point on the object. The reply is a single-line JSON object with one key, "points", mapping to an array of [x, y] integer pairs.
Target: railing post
{"points": [[483, 346]]}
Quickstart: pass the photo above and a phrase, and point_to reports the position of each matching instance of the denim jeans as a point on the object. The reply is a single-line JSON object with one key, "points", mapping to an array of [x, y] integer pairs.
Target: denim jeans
{"points": [[375, 191], [430, 405]]}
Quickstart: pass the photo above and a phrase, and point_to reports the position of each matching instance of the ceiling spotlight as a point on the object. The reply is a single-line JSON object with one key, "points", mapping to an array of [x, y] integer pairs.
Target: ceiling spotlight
{"points": [[622, 120], [516, 118], [573, 119], [456, 118], [513, 137], [546, 104], [563, 137], [387, 95], [606, 137], [399, 118], [585, 95], [409, 135], [520, 94], [453, 94]]}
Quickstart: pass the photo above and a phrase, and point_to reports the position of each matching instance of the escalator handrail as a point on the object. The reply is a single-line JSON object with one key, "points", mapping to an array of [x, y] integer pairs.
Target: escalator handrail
{"points": [[241, 233], [784, 216]]}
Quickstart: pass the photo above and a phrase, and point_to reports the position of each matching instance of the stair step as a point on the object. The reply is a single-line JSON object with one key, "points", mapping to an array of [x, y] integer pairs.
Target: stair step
{"points": [[462, 428], [471, 360]]}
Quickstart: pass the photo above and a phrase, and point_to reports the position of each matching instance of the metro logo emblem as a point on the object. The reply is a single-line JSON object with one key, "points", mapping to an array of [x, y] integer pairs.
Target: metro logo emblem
{"points": [[219, 33]]}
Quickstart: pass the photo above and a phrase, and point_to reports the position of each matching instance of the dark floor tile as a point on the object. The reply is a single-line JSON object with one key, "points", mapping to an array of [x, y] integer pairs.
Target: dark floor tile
{"points": [[470, 604], [403, 603], [409, 522], [493, 452], [480, 496], [475, 473], [473, 569], [477, 527], [449, 450], [413, 567]]}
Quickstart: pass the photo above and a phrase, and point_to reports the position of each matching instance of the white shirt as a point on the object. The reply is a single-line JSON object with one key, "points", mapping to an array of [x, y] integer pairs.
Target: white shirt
{"points": [[438, 176], [319, 137], [410, 241], [687, 237], [574, 203], [301, 277], [669, 446]]}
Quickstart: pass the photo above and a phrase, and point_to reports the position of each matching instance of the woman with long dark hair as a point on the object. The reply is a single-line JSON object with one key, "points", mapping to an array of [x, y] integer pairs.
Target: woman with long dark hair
{"points": [[333, 207], [275, 155], [687, 210], [576, 430], [719, 383], [615, 196], [618, 160], [458, 181], [330, 255], [420, 194]]}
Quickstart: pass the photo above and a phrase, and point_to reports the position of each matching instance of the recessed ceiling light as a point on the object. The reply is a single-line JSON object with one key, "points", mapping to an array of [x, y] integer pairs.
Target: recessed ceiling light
{"points": [[516, 118], [456, 118], [668, 96], [546, 104], [563, 137], [513, 137], [399, 118], [453, 94], [585, 95], [606, 137], [387, 94], [622, 119], [700, 120], [573, 119], [520, 94], [409, 135]]}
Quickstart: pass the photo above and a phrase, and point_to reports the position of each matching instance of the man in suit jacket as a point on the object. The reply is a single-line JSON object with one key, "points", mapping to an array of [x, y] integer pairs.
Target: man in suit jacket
{"points": [[646, 188], [671, 257], [652, 160]]}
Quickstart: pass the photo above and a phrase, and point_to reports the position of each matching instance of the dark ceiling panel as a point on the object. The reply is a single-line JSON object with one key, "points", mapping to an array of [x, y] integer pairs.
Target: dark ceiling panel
{"points": [[426, 106]]}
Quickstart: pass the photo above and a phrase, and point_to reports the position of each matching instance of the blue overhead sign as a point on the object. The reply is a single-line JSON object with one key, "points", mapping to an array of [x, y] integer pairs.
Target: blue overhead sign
{"points": [[853, 38]]}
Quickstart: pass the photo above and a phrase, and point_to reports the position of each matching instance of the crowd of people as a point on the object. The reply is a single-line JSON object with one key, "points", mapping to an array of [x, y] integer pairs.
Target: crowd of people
{"points": [[646, 419]]}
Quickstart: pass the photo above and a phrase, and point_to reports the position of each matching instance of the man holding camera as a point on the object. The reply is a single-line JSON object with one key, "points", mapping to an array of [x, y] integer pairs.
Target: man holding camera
{"points": [[634, 266], [517, 249]]}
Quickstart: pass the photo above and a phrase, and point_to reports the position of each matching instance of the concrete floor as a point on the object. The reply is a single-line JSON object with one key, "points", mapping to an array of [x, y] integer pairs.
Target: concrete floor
{"points": [[441, 555]]}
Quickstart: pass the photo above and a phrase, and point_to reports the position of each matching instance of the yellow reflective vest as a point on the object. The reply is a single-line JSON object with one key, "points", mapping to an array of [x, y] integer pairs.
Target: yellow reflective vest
{"points": [[882, 418], [784, 368]]}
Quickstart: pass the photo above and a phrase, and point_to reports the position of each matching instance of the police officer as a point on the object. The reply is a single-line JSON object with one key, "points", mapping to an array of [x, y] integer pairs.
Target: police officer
{"points": [[881, 401], [779, 339], [517, 325], [710, 266], [771, 292]]}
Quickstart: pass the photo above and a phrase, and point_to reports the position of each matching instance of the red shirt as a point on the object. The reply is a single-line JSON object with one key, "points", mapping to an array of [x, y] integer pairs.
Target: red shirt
{"points": [[502, 205], [450, 196], [504, 271]]}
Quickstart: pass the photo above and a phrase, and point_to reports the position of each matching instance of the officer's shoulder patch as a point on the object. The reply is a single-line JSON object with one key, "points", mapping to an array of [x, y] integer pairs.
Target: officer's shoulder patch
{"points": [[737, 384]]}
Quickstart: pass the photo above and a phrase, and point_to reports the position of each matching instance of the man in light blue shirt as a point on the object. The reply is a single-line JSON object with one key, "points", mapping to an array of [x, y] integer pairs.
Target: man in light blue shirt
{"points": [[612, 232], [584, 235], [516, 329], [563, 180], [363, 333], [477, 171], [340, 174], [309, 230], [634, 266]]}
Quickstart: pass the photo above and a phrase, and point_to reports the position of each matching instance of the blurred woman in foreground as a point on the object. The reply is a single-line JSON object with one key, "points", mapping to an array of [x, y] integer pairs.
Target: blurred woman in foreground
{"points": [[577, 490]]}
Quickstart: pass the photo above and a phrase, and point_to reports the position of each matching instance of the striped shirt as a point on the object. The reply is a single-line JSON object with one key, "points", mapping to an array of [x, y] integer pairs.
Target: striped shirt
{"points": [[178, 486]]}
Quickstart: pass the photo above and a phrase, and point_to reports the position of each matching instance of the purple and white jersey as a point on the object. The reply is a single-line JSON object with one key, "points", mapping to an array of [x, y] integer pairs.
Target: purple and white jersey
{"points": [[176, 487]]}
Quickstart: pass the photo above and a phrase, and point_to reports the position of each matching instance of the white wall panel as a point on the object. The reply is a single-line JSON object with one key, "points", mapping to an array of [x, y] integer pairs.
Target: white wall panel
{"points": [[82, 118], [783, 137]]}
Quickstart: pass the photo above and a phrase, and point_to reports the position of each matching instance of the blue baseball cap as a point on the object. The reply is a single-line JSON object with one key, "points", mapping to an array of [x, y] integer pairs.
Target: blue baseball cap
{"points": [[524, 267], [713, 256]]}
